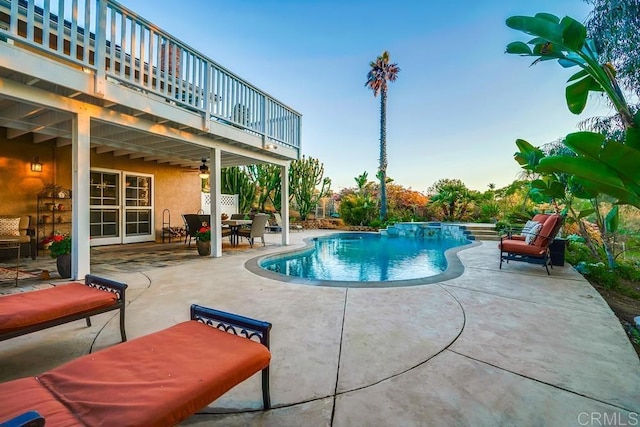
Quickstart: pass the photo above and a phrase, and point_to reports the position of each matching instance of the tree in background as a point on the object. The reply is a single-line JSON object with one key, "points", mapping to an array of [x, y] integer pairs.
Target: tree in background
{"points": [[488, 208], [380, 73], [451, 200], [305, 175], [235, 180], [266, 177], [405, 204], [614, 26], [358, 206]]}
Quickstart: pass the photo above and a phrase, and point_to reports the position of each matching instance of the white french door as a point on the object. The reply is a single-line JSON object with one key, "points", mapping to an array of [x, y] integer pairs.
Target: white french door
{"points": [[121, 208]]}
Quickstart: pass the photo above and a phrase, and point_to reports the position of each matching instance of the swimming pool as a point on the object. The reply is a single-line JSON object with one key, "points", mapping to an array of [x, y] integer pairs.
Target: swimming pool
{"points": [[358, 259]]}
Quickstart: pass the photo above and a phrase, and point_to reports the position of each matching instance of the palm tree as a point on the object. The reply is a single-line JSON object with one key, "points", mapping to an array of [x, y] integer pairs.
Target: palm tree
{"points": [[380, 73]]}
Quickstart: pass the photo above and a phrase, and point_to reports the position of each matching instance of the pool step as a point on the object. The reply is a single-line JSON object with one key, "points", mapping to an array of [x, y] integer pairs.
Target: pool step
{"points": [[481, 231]]}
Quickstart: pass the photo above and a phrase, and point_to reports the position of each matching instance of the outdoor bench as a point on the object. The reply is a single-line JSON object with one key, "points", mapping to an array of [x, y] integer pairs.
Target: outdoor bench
{"points": [[158, 379], [26, 312]]}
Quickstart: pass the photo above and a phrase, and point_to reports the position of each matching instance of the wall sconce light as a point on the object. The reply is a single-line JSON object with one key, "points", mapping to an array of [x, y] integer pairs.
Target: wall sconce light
{"points": [[270, 147], [204, 169], [36, 166]]}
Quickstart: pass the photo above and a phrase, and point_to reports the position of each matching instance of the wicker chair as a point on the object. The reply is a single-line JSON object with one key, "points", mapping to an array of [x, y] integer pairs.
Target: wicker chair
{"points": [[257, 229]]}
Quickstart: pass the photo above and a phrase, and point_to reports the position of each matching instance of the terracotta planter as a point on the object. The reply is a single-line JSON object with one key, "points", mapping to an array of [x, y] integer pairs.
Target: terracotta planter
{"points": [[63, 262], [204, 248]]}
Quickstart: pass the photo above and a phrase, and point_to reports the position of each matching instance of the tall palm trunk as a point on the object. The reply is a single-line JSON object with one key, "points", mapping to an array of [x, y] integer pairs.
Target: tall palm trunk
{"points": [[383, 155]]}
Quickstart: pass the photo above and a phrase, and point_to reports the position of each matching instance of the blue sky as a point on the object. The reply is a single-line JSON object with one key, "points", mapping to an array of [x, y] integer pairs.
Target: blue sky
{"points": [[455, 111]]}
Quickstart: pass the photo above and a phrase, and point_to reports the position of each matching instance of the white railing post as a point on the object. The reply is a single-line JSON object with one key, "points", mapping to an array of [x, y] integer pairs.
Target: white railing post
{"points": [[265, 106], [13, 27], [209, 96], [100, 48]]}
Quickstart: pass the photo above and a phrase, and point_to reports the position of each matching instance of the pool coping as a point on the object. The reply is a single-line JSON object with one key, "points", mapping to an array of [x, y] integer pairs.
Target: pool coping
{"points": [[455, 268]]}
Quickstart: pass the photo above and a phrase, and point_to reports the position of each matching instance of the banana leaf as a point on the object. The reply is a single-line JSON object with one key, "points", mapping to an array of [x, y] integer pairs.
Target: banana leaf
{"points": [[577, 93], [519, 48], [574, 33], [612, 220], [538, 25]]}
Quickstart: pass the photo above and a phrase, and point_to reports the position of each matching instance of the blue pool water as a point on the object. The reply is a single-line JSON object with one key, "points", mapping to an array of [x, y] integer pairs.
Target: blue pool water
{"points": [[365, 257]]}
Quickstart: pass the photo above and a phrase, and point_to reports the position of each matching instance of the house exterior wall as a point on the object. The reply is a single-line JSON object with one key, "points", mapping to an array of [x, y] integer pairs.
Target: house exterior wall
{"points": [[176, 189]]}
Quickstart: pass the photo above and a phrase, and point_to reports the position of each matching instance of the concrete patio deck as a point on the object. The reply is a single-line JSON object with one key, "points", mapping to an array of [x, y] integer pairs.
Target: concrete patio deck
{"points": [[491, 347]]}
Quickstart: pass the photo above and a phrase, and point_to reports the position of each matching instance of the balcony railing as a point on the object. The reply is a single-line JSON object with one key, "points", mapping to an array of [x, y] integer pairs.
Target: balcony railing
{"points": [[117, 44]]}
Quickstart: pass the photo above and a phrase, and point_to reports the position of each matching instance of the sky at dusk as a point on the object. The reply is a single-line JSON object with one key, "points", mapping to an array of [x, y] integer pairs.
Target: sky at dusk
{"points": [[455, 111]]}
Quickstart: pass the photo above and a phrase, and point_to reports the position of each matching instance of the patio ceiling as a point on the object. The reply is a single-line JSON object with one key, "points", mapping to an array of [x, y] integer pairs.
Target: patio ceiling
{"points": [[46, 125]]}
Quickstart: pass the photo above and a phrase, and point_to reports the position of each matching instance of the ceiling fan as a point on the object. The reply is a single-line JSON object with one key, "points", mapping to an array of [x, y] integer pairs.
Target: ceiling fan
{"points": [[204, 169]]}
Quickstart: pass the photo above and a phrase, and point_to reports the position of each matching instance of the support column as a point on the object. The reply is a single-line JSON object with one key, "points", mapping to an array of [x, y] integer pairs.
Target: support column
{"points": [[81, 165], [216, 207], [284, 202]]}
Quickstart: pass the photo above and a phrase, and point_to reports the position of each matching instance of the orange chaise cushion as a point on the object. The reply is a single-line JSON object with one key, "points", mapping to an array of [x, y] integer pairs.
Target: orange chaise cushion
{"points": [[31, 308], [27, 394], [158, 379]]}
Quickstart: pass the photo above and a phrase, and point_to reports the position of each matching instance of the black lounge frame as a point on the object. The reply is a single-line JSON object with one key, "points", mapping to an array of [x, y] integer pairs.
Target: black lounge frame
{"points": [[241, 326], [512, 256], [101, 283]]}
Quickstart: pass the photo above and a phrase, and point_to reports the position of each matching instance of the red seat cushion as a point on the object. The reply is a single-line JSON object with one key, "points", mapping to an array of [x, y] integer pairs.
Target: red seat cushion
{"points": [[158, 379], [521, 247], [27, 394], [31, 308]]}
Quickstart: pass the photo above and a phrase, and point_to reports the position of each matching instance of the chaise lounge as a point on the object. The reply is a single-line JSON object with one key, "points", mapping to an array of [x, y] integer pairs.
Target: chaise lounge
{"points": [[155, 380], [26, 312]]}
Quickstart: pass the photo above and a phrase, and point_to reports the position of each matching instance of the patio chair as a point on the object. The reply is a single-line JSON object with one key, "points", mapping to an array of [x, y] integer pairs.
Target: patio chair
{"points": [[226, 231], [192, 223], [257, 229], [532, 248], [278, 219], [20, 228]]}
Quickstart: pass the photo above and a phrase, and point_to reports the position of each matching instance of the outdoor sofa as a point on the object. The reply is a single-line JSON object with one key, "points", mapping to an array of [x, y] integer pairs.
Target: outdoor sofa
{"points": [[158, 379]]}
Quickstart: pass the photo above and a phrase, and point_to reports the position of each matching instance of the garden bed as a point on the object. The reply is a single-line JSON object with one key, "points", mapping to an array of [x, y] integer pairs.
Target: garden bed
{"points": [[624, 307]]}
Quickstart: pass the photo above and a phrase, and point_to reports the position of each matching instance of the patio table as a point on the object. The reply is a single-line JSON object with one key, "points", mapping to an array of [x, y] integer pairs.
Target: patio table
{"points": [[13, 244], [234, 225]]}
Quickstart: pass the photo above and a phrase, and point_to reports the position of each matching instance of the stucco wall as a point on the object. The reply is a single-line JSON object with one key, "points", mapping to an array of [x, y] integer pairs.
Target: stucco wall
{"points": [[176, 189]]}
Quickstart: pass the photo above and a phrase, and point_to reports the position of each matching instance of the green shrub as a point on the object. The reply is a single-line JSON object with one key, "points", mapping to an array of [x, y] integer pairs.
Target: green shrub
{"points": [[489, 211], [578, 252], [628, 271], [601, 274], [357, 210], [503, 226]]}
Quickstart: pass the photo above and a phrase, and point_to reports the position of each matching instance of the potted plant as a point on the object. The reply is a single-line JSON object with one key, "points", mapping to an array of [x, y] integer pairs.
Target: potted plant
{"points": [[203, 240], [60, 249]]}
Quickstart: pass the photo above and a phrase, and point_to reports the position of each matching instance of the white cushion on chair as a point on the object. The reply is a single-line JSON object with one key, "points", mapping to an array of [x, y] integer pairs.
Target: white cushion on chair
{"points": [[527, 227], [532, 233], [9, 226]]}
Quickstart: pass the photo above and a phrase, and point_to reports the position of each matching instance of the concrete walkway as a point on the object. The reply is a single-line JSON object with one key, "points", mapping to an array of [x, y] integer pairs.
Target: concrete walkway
{"points": [[491, 347]]}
